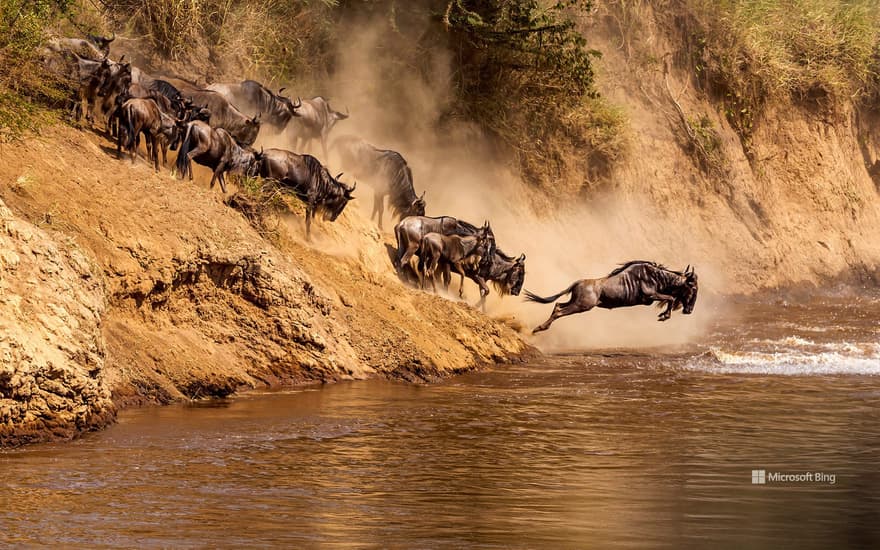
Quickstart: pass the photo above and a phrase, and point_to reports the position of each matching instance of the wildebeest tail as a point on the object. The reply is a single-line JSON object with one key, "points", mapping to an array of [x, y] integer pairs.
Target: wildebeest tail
{"points": [[532, 297], [183, 166]]}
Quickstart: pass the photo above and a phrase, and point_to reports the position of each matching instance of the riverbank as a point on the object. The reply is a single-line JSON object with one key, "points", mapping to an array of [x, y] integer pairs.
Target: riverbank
{"points": [[149, 289]]}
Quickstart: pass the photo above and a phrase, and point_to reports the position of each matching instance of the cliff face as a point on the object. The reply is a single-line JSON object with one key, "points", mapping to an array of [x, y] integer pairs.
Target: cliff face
{"points": [[165, 292], [802, 209], [52, 353]]}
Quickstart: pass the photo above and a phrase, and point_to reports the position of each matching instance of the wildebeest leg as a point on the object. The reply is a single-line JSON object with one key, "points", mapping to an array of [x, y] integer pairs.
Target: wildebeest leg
{"points": [[484, 291], [155, 154], [310, 212], [667, 313], [654, 295], [407, 255], [460, 270], [218, 174], [561, 310], [378, 206], [324, 147], [201, 148]]}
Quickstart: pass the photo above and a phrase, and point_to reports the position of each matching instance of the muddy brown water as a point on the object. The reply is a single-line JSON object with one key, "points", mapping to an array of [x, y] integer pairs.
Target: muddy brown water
{"points": [[616, 449]]}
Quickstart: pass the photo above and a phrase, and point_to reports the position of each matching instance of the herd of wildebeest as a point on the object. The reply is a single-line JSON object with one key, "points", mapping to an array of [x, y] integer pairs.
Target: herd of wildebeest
{"points": [[216, 126]]}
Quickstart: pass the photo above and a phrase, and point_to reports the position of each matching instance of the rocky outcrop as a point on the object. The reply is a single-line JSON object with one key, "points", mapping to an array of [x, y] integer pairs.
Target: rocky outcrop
{"points": [[52, 351]]}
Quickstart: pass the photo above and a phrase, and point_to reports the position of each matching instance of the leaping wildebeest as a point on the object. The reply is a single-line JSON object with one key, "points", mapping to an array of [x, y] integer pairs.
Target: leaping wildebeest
{"points": [[216, 149], [309, 180], [386, 171], [316, 119], [252, 98], [635, 283]]}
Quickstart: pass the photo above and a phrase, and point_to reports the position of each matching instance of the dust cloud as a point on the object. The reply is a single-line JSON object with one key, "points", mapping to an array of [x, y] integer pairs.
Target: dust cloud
{"points": [[464, 176]]}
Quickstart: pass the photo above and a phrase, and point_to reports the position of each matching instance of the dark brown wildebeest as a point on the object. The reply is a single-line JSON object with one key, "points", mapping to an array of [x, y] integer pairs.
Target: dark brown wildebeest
{"points": [[143, 115], [116, 83], [216, 149], [252, 98], [89, 76], [315, 121], [386, 171], [224, 115], [410, 231], [636, 283], [102, 42], [309, 180], [454, 250], [506, 273]]}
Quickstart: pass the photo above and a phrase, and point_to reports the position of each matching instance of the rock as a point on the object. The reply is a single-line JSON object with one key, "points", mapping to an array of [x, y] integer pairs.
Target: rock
{"points": [[50, 322]]}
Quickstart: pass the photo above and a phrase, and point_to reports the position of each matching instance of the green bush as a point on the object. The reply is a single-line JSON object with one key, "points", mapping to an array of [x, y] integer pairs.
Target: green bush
{"points": [[816, 52], [24, 85]]}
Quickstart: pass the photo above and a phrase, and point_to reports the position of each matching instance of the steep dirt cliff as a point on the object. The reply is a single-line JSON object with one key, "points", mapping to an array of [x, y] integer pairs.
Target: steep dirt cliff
{"points": [[52, 353], [188, 300], [800, 207]]}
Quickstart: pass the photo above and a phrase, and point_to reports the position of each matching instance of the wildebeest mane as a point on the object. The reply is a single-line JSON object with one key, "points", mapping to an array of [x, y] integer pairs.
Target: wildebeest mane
{"points": [[320, 182], [165, 88], [400, 182], [627, 265]]}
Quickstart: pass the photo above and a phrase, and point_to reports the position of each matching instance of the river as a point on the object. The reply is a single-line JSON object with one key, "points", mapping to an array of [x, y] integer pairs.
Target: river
{"points": [[621, 448]]}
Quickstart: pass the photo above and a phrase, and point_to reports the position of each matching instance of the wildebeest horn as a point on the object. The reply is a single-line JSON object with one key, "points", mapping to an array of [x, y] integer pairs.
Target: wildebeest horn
{"points": [[281, 90], [351, 190], [687, 269], [522, 258], [111, 39], [343, 115], [339, 175], [423, 196]]}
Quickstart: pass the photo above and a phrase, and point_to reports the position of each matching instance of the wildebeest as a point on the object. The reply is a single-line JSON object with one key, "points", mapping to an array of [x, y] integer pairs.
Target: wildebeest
{"points": [[635, 283], [309, 180], [117, 82], [315, 121], [454, 250], [89, 76], [102, 42], [88, 48], [142, 115], [216, 149], [506, 273], [224, 115], [388, 173], [410, 231], [252, 98]]}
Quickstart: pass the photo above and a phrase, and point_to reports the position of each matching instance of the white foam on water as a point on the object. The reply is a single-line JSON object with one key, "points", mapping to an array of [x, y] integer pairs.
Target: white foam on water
{"points": [[793, 356]]}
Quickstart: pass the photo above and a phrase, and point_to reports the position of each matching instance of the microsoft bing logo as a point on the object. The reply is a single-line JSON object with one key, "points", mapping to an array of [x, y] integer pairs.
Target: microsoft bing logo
{"points": [[759, 477]]}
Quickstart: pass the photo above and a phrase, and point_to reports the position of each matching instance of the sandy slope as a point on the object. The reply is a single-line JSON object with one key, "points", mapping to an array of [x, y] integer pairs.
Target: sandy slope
{"points": [[196, 303]]}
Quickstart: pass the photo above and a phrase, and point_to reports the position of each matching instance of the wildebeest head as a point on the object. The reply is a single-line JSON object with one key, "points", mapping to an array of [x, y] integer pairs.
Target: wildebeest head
{"points": [[417, 208], [102, 42], [116, 77], [288, 104], [688, 296], [517, 276], [252, 128], [334, 205]]}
